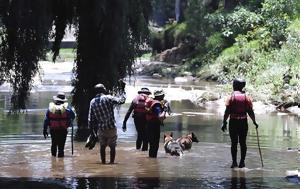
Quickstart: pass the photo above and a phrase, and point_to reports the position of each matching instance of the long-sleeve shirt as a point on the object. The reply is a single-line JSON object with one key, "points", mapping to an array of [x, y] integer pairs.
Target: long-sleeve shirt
{"points": [[101, 112]]}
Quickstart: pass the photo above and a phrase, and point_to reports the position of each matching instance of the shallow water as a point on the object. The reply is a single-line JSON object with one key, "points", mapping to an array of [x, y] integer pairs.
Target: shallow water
{"points": [[26, 161]]}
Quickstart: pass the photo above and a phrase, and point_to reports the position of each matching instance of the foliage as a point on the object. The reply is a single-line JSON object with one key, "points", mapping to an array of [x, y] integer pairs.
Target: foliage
{"points": [[162, 11], [264, 70], [171, 35], [197, 23], [239, 22], [24, 41], [277, 15], [109, 33], [66, 54]]}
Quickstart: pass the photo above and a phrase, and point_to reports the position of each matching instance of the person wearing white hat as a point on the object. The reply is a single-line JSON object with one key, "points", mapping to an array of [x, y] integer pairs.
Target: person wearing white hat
{"points": [[156, 113], [58, 118]]}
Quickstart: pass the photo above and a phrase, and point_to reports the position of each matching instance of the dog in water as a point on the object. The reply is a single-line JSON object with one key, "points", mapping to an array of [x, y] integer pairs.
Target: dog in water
{"points": [[171, 146], [186, 141]]}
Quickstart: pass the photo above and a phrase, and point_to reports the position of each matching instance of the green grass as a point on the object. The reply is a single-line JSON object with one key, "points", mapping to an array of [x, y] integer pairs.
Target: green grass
{"points": [[65, 55], [146, 56]]}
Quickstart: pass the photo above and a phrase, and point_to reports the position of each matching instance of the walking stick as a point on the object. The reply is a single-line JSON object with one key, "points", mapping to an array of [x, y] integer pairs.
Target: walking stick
{"points": [[262, 163], [72, 134]]}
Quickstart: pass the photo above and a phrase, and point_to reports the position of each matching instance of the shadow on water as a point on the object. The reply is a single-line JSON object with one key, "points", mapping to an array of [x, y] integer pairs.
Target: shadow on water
{"points": [[144, 183]]}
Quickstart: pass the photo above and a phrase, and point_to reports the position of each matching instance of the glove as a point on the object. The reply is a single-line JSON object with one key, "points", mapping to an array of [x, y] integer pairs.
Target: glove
{"points": [[45, 133], [124, 127], [256, 125], [224, 126]]}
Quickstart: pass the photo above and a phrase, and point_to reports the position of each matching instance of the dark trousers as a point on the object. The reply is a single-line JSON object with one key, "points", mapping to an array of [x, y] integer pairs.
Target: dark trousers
{"points": [[58, 138], [238, 130], [153, 128], [140, 125]]}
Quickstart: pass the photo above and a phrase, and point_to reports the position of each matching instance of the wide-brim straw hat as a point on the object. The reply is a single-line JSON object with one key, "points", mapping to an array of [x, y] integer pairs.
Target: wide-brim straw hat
{"points": [[144, 91], [60, 97]]}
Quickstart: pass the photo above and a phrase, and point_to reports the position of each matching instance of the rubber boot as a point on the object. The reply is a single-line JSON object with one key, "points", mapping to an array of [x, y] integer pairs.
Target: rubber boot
{"points": [[243, 156], [234, 164], [242, 164], [112, 155], [102, 154], [233, 155]]}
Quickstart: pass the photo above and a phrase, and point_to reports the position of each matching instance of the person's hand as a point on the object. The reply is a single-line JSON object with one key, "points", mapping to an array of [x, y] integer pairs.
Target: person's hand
{"points": [[121, 84], [256, 125], [166, 108], [45, 133], [124, 127], [224, 126]]}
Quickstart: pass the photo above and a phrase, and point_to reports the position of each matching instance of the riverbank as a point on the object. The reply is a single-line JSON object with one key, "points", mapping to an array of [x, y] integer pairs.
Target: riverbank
{"points": [[209, 95], [214, 97]]}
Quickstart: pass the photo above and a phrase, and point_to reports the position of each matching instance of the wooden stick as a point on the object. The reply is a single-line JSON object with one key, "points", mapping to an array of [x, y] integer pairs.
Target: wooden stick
{"points": [[262, 163]]}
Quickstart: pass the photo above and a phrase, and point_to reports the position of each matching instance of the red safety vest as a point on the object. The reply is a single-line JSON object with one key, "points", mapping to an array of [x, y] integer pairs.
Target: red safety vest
{"points": [[58, 118], [140, 104], [238, 105], [150, 115]]}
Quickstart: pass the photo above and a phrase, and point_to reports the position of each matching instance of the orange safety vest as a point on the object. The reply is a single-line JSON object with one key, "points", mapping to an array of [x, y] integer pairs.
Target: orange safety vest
{"points": [[58, 117], [150, 115], [238, 106], [140, 104]]}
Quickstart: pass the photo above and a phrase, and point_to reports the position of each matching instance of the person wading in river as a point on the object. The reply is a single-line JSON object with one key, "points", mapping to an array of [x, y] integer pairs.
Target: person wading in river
{"points": [[237, 107], [139, 117], [101, 117], [58, 118], [156, 113]]}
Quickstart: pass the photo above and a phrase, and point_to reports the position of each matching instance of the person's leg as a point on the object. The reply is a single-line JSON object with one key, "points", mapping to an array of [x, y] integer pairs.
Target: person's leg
{"points": [[151, 139], [112, 142], [144, 135], [54, 142], [138, 128], [61, 142], [102, 153], [112, 154], [103, 144], [243, 130], [234, 141], [155, 135]]}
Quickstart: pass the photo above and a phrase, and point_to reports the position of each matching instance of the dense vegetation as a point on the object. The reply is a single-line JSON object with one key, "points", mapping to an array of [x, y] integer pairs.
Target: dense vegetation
{"points": [[258, 40], [109, 34]]}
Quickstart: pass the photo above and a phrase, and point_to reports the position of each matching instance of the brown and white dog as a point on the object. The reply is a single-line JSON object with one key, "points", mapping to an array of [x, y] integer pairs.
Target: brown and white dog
{"points": [[186, 141], [171, 146]]}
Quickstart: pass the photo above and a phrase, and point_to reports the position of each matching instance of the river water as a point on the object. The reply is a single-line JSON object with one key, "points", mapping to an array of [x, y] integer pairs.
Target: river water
{"points": [[26, 161]]}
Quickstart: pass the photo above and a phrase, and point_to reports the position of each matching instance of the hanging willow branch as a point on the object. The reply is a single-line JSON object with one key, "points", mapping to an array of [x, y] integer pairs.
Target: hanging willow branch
{"points": [[26, 27], [110, 34]]}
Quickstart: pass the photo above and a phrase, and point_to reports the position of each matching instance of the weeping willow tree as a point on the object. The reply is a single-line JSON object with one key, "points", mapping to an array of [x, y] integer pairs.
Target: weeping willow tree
{"points": [[110, 34], [24, 38]]}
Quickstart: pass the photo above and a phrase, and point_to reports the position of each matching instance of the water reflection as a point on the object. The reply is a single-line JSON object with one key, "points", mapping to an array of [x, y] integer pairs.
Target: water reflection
{"points": [[238, 180], [145, 183]]}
